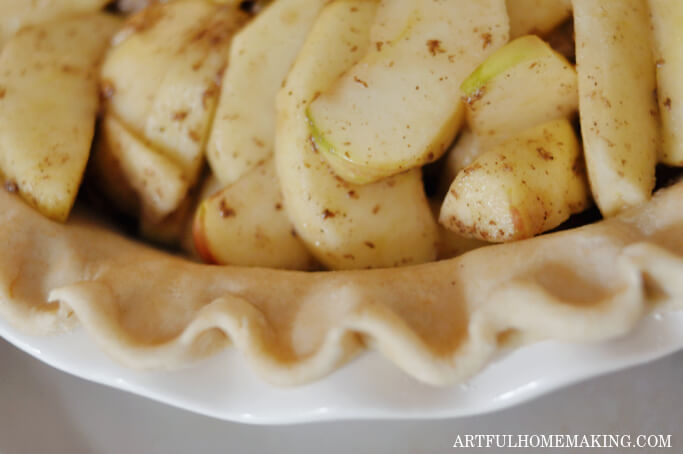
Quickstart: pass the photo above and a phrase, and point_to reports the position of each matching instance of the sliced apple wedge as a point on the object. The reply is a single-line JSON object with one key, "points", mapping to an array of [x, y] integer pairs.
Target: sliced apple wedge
{"points": [[136, 177], [246, 224], [142, 52], [537, 17], [451, 244], [522, 84], [345, 226], [48, 105], [522, 187], [617, 108], [667, 19], [16, 14], [398, 108], [162, 76], [185, 102], [463, 153], [261, 55]]}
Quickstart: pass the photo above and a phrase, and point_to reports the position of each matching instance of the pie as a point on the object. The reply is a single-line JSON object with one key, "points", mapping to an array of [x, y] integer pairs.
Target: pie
{"points": [[320, 195]]}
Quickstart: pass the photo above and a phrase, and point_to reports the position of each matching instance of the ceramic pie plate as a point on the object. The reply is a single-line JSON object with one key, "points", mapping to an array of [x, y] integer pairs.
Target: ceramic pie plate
{"points": [[490, 329], [368, 388]]}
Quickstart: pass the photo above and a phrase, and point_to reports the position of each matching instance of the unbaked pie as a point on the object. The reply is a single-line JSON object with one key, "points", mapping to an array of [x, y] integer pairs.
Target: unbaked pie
{"points": [[351, 164]]}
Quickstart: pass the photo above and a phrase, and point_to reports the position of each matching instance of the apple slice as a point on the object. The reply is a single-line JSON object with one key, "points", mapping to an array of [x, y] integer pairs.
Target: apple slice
{"points": [[137, 178], [618, 111], [524, 186], [180, 117], [398, 108], [16, 14], [451, 244], [667, 19], [142, 52], [344, 225], [522, 84], [537, 17], [246, 224], [48, 105], [161, 77], [463, 153], [261, 55]]}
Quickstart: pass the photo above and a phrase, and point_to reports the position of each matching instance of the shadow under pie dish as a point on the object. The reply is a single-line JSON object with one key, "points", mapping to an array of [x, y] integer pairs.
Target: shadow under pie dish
{"points": [[302, 179]]}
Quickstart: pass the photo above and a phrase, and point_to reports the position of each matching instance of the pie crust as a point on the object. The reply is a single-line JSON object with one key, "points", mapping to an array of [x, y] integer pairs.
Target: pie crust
{"points": [[439, 322]]}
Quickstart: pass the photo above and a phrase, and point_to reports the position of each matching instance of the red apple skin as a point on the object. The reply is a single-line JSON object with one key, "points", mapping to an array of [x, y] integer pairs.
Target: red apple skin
{"points": [[201, 243]]}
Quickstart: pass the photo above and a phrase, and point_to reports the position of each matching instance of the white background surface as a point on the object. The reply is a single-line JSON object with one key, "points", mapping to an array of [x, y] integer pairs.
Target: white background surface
{"points": [[46, 411]]}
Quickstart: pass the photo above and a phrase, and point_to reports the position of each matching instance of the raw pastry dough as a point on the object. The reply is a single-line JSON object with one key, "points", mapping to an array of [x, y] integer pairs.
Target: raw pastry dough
{"points": [[440, 322]]}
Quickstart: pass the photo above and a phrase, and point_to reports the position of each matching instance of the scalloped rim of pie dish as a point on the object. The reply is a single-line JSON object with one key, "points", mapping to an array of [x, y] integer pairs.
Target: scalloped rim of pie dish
{"points": [[440, 322]]}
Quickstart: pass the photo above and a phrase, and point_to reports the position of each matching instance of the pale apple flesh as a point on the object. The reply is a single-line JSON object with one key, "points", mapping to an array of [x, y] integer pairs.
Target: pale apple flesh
{"points": [[465, 150], [398, 108], [246, 224], [244, 128], [618, 112], [451, 244], [180, 118], [344, 225], [48, 107], [17, 14], [521, 85], [667, 19], [519, 188], [161, 77], [135, 176]]}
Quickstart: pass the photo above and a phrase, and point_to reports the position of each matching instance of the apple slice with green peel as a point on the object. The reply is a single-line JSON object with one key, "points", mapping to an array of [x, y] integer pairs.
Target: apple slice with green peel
{"points": [[246, 224], [17, 14], [261, 55], [126, 166], [618, 112], [398, 108], [667, 19], [537, 17], [522, 187], [48, 107], [344, 225], [522, 84]]}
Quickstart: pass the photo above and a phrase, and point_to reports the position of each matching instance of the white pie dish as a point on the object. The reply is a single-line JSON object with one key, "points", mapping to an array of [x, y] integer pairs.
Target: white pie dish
{"points": [[368, 388], [573, 305]]}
